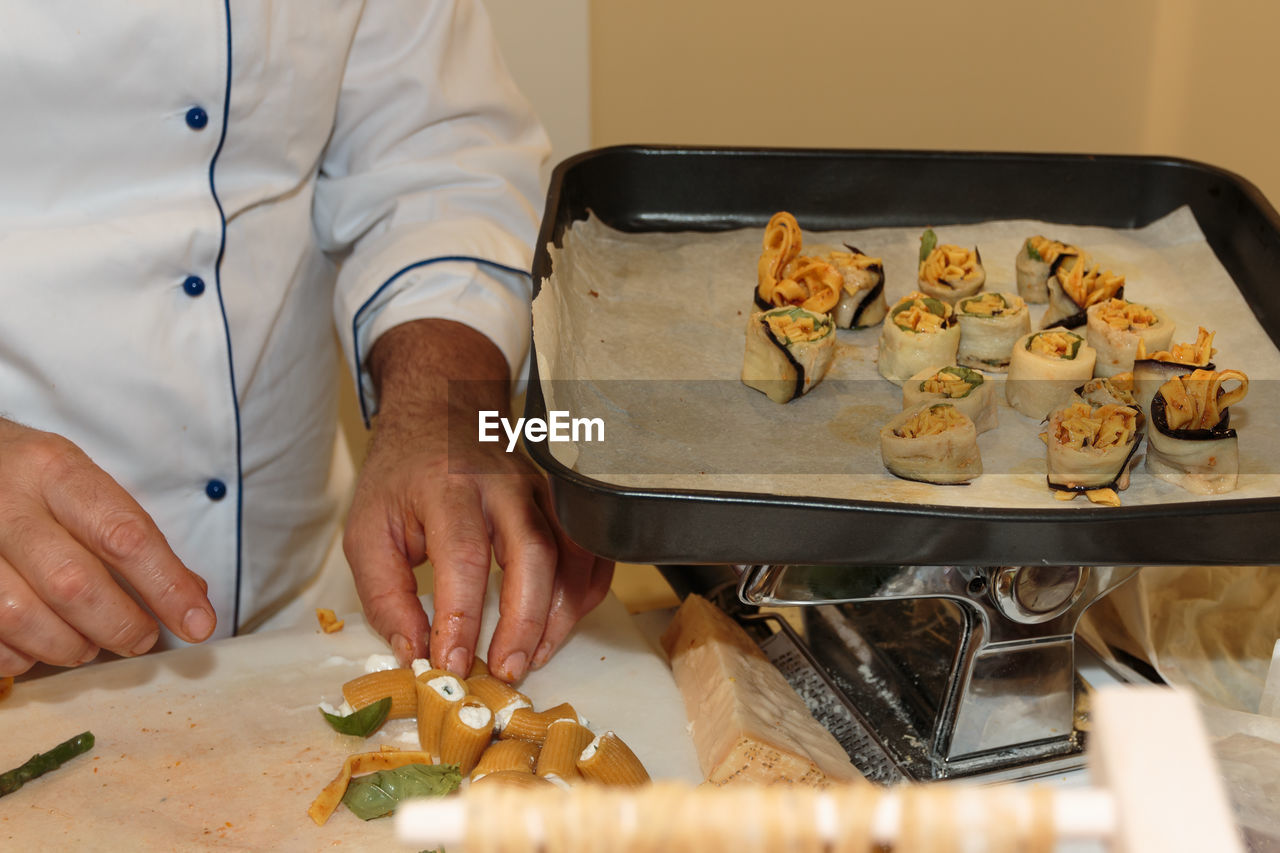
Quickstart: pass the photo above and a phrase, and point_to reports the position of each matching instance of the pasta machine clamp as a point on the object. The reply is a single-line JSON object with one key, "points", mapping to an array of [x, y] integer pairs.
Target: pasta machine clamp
{"points": [[957, 670]]}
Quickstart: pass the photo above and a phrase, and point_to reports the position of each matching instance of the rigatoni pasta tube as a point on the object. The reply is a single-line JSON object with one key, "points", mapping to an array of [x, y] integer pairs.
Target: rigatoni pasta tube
{"points": [[465, 733], [559, 757], [437, 691], [609, 761], [507, 756], [501, 698], [396, 683], [526, 724]]}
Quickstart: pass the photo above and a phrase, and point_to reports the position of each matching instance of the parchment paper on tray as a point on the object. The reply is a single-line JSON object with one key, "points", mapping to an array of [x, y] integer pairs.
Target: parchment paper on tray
{"points": [[646, 332]]}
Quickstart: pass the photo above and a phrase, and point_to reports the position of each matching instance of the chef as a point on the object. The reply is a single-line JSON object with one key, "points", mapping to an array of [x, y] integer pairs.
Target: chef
{"points": [[194, 197]]}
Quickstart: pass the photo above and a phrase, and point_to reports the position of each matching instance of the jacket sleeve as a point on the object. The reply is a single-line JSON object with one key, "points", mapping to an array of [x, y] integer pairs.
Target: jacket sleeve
{"points": [[429, 187]]}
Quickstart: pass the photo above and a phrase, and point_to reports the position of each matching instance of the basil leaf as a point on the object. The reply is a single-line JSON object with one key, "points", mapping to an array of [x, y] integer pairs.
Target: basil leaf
{"points": [[378, 794], [363, 722], [928, 240], [1032, 253]]}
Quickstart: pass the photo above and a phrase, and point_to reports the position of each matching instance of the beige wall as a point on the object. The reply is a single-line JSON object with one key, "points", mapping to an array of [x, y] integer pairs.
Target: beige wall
{"points": [[1176, 77]]}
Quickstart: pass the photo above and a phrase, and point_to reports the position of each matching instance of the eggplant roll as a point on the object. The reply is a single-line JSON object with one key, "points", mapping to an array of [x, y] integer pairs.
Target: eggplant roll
{"points": [[919, 332], [784, 277], [1033, 264], [1191, 442], [1115, 328], [949, 272], [862, 303], [1089, 450], [1045, 368], [1151, 370], [933, 443], [1075, 284], [788, 352], [966, 389], [990, 324]]}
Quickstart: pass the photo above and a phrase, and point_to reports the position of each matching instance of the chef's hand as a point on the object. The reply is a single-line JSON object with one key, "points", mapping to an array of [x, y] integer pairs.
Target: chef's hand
{"points": [[69, 537], [430, 488]]}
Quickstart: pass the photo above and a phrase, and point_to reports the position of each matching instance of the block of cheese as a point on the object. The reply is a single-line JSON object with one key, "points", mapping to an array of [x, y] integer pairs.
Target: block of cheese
{"points": [[747, 722]]}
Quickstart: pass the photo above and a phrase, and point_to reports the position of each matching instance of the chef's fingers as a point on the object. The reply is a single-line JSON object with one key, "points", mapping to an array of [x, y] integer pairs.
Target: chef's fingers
{"points": [[13, 662], [31, 631], [575, 600], [111, 525], [525, 548], [458, 545], [73, 588], [382, 546]]}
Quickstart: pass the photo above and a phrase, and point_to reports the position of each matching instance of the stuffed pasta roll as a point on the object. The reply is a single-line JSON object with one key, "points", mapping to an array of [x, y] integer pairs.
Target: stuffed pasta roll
{"points": [[788, 352], [1045, 368], [1074, 285], [966, 389], [1115, 328], [1089, 450], [949, 272], [932, 443], [990, 324], [1033, 263], [919, 332], [1191, 442]]}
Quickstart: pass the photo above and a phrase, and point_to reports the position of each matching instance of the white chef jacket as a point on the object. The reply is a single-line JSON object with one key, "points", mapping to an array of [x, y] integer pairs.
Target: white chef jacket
{"points": [[193, 193]]}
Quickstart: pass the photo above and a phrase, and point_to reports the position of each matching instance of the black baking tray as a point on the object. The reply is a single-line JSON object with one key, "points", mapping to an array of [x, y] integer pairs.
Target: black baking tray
{"points": [[648, 188]]}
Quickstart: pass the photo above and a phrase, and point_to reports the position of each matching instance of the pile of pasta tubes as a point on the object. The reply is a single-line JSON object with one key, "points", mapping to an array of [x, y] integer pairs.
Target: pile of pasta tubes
{"points": [[487, 728], [1149, 759]]}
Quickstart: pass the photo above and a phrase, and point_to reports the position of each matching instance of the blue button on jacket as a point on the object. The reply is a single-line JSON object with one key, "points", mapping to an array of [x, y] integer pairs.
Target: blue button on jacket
{"points": [[341, 164]]}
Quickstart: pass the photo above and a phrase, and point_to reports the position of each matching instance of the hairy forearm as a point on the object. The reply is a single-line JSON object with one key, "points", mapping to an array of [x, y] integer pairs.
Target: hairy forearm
{"points": [[424, 367]]}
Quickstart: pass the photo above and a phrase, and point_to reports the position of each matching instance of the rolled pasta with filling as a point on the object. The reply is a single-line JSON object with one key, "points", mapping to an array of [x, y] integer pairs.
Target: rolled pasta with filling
{"points": [[507, 756], [526, 724], [1153, 369], [465, 734], [966, 389], [1191, 443], [1115, 327], [1089, 450], [1032, 265], [1074, 284], [501, 698], [609, 761], [1044, 370], [919, 332], [784, 277], [949, 272], [932, 443], [558, 760], [861, 303], [372, 686], [438, 690], [990, 324], [788, 352]]}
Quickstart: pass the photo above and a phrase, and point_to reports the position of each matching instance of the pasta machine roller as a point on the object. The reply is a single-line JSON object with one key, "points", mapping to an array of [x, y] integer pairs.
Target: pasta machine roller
{"points": [[926, 672]]}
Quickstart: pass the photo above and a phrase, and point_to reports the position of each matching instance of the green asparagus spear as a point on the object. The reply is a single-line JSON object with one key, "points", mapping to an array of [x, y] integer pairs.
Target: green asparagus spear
{"points": [[43, 762]]}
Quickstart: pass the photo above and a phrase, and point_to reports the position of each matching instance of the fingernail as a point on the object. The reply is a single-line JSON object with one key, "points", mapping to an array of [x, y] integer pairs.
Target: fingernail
{"points": [[514, 666], [147, 642], [91, 653], [401, 648], [459, 662], [542, 655], [198, 623]]}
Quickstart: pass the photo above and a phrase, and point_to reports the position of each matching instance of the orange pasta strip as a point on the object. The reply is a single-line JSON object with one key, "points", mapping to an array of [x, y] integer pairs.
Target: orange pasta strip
{"points": [[612, 763], [526, 724], [507, 756], [437, 690], [396, 683], [564, 743], [6, 686], [460, 742], [478, 667], [323, 806]]}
